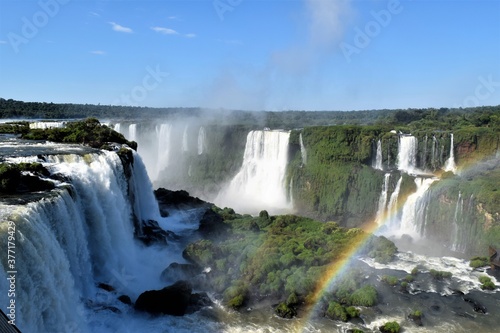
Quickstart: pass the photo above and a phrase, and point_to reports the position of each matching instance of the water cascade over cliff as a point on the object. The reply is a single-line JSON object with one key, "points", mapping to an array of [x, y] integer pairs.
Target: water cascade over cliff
{"points": [[378, 156], [450, 162], [407, 153], [202, 138], [260, 183], [303, 151]]}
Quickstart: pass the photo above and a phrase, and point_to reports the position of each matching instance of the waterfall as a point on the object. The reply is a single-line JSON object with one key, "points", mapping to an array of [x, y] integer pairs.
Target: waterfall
{"points": [[450, 162], [407, 153], [47, 124], [201, 140], [415, 209], [392, 205], [378, 157], [164, 138], [185, 145], [132, 132], [303, 151], [260, 182], [434, 152], [71, 239], [118, 127], [382, 202], [458, 213]]}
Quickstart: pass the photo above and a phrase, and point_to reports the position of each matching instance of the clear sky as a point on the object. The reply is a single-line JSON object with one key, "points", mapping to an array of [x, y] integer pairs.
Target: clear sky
{"points": [[252, 54]]}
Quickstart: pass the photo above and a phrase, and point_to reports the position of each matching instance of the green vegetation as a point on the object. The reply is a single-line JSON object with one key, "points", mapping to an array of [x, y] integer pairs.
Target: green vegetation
{"points": [[23, 177], [390, 280], [280, 255], [440, 275], [390, 327], [88, 131], [478, 262], [486, 283]]}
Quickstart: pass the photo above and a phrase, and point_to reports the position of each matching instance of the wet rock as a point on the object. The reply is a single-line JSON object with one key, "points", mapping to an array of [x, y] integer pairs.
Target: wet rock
{"points": [[106, 287], [476, 306], [176, 271], [172, 300], [152, 233], [212, 225], [197, 301], [176, 200], [125, 299]]}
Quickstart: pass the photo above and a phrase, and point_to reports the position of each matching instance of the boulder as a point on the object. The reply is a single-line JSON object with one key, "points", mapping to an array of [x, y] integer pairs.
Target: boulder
{"points": [[176, 200], [172, 300], [476, 306], [212, 225], [125, 299], [176, 271], [197, 301], [152, 233]]}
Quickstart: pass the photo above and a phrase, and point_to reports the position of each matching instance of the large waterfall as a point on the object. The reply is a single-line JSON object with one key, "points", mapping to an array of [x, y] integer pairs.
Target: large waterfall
{"points": [[260, 183], [303, 151], [79, 234], [407, 153], [202, 137]]}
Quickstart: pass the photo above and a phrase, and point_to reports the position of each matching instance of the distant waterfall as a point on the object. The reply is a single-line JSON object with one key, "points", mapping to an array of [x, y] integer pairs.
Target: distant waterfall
{"points": [[260, 183], [450, 162], [185, 145], [164, 137], [458, 213], [132, 132], [382, 202], [378, 157], [202, 137], [407, 153], [303, 151], [47, 124], [118, 127]]}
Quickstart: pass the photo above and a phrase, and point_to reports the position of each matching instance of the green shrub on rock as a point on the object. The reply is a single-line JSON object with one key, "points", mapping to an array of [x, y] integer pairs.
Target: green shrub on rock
{"points": [[390, 327]]}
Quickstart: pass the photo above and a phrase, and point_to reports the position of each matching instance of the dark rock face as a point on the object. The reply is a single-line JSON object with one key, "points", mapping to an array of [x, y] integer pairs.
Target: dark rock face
{"points": [[152, 233], [476, 306], [106, 287], [212, 225], [198, 301], [172, 300], [176, 200], [176, 271], [125, 299]]}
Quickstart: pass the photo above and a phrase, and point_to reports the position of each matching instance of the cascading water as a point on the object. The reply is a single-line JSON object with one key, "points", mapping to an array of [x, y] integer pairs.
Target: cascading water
{"points": [[164, 138], [413, 215], [260, 183], [201, 140], [132, 132], [303, 151], [407, 153], [378, 157], [458, 213], [450, 162], [185, 142], [434, 152], [382, 203], [79, 238]]}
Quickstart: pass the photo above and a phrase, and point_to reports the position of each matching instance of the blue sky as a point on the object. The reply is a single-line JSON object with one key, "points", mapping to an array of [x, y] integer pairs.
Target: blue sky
{"points": [[252, 54]]}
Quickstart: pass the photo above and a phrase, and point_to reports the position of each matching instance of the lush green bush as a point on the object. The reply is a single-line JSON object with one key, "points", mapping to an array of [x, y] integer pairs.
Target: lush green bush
{"points": [[390, 280], [486, 282], [390, 327], [477, 262], [365, 296], [285, 311], [336, 311], [440, 275]]}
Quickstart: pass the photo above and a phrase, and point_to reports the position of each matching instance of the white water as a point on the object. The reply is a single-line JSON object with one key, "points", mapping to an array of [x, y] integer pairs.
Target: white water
{"points": [[303, 151], [47, 124], [414, 210], [450, 162], [185, 143], [66, 243], [458, 212], [132, 132], [164, 138], [260, 183], [407, 153], [378, 156], [202, 137], [382, 202]]}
